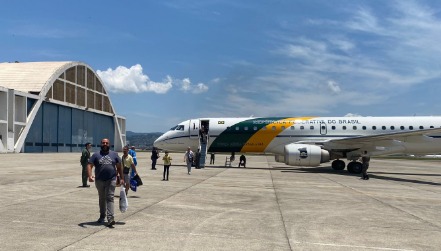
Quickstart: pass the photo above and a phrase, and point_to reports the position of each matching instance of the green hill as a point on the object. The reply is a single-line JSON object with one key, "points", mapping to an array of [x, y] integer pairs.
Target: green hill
{"points": [[142, 140]]}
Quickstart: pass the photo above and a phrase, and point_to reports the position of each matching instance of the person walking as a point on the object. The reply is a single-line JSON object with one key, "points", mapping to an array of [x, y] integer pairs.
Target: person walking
{"points": [[211, 158], [365, 158], [154, 157], [129, 168], [107, 163], [188, 158], [132, 153], [167, 163], [84, 160]]}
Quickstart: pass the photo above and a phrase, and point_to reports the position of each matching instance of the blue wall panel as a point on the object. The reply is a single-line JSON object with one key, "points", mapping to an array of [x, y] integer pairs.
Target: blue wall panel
{"points": [[34, 139], [64, 129], [50, 127], [59, 128]]}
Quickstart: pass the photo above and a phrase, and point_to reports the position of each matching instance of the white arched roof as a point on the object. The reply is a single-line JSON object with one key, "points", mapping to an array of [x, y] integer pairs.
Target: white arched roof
{"points": [[30, 76], [49, 80]]}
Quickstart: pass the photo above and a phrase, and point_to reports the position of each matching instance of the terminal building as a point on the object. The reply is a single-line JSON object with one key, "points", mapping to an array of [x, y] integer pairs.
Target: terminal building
{"points": [[55, 107]]}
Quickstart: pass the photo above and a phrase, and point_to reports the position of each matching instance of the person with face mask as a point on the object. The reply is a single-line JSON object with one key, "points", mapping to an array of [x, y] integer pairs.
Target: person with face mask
{"points": [[105, 180]]}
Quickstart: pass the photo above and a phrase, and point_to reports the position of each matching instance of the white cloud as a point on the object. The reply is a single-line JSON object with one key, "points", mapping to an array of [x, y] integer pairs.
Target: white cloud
{"points": [[334, 87], [352, 115], [125, 80], [187, 86], [132, 79]]}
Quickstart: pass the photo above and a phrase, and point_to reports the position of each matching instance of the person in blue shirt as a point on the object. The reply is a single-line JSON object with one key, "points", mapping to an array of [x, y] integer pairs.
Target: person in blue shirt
{"points": [[133, 154]]}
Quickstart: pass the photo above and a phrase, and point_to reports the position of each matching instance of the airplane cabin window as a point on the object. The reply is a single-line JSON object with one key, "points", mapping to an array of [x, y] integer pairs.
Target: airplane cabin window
{"points": [[410, 127], [432, 127], [302, 127], [292, 127], [374, 128], [392, 127], [344, 127], [283, 128], [255, 128], [311, 127], [264, 128], [421, 127], [333, 127], [237, 128], [383, 127], [364, 127], [323, 127], [402, 127], [273, 128], [246, 128], [354, 127]]}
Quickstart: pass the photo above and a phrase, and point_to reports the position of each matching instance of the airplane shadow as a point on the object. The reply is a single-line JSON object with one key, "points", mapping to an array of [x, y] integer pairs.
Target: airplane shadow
{"points": [[329, 170], [372, 175]]}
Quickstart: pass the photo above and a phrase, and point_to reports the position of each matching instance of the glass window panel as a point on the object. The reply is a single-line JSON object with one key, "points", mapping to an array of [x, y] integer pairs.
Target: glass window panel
{"points": [[81, 75], [70, 74], [58, 88]]}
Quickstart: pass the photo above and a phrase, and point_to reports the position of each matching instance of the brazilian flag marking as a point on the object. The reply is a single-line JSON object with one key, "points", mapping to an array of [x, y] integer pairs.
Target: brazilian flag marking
{"points": [[260, 133]]}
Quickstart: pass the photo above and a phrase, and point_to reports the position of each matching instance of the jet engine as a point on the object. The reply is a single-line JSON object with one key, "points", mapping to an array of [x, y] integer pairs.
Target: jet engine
{"points": [[305, 155]]}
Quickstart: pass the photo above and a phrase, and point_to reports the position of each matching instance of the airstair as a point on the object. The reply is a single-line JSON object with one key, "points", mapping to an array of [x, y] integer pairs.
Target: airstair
{"points": [[203, 146]]}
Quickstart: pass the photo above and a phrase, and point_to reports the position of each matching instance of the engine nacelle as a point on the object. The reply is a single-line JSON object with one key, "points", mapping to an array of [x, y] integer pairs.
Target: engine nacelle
{"points": [[305, 155]]}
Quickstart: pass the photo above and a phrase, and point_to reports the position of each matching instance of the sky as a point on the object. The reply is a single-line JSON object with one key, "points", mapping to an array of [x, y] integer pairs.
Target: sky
{"points": [[163, 62]]}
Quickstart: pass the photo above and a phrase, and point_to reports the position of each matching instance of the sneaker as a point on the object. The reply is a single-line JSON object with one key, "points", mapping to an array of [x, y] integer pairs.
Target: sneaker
{"points": [[111, 223], [100, 220], [86, 185]]}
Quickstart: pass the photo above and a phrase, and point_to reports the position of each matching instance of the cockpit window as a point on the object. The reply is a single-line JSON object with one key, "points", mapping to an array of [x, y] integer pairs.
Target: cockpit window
{"points": [[177, 128]]}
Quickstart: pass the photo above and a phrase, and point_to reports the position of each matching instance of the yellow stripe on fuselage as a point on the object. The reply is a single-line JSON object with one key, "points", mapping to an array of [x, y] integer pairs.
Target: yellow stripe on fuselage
{"points": [[262, 138]]}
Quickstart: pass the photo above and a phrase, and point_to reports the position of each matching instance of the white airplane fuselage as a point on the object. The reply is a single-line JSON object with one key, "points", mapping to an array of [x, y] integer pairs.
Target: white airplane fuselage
{"points": [[340, 137]]}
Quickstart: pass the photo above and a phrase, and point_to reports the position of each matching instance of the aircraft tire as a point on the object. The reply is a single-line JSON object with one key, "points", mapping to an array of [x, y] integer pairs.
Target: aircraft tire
{"points": [[357, 167], [354, 167], [338, 165]]}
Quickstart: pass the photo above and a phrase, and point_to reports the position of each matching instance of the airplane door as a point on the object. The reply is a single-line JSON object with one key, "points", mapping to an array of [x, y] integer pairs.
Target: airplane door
{"points": [[193, 128], [323, 128]]}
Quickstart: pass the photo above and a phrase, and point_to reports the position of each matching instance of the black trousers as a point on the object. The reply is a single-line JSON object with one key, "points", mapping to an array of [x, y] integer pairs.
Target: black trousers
{"points": [[166, 171], [364, 170], [153, 163]]}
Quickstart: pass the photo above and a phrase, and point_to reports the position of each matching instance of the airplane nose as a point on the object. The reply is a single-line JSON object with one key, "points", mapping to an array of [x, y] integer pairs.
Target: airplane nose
{"points": [[159, 142]]}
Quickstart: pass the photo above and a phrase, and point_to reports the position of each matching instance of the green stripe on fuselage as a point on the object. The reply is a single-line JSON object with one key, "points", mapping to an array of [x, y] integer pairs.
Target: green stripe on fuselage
{"points": [[232, 140]]}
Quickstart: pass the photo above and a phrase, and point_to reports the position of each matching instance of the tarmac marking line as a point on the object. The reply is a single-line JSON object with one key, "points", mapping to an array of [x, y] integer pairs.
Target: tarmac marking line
{"points": [[278, 206]]}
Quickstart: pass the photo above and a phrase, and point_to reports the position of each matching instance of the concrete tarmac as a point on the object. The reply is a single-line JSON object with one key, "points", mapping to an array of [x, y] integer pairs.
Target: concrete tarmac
{"points": [[266, 206]]}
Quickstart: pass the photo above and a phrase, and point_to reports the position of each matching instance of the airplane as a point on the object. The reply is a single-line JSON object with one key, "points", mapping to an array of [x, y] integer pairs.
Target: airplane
{"points": [[309, 141]]}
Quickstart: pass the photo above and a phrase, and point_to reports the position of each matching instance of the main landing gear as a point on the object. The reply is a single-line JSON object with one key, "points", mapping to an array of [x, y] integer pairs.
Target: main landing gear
{"points": [[353, 166]]}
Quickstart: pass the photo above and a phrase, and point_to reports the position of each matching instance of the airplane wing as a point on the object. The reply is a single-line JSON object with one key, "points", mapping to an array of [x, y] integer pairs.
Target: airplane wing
{"points": [[382, 140]]}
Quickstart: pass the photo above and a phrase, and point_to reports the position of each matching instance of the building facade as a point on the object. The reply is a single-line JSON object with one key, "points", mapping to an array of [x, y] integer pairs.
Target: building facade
{"points": [[55, 107]]}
